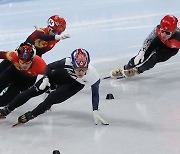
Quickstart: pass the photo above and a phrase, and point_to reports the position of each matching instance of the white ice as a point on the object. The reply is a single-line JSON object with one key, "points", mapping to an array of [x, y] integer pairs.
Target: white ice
{"points": [[144, 117]]}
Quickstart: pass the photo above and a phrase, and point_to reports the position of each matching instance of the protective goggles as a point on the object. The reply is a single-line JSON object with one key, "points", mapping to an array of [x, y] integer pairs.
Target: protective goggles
{"points": [[166, 32], [84, 69], [56, 32], [25, 61]]}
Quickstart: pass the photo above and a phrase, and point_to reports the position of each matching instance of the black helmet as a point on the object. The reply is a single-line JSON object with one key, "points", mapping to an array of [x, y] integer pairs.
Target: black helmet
{"points": [[26, 51]]}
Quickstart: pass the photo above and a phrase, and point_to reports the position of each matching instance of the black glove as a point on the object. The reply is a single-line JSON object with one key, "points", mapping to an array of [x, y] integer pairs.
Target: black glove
{"points": [[4, 112], [25, 117]]}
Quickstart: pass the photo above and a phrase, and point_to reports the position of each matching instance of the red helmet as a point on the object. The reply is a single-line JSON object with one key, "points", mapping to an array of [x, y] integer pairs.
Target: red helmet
{"points": [[169, 23], [26, 51], [57, 23]]}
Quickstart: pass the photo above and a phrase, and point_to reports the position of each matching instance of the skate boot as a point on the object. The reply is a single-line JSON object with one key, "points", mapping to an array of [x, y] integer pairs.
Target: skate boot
{"points": [[130, 72], [4, 112], [25, 117], [117, 72]]}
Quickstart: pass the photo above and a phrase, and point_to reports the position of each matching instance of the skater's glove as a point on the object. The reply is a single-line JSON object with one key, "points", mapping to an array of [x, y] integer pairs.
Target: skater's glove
{"points": [[44, 84], [25, 117], [139, 58], [97, 118], [62, 36]]}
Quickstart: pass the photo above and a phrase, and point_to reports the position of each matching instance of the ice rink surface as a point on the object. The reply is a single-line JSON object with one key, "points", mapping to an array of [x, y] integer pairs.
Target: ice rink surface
{"points": [[144, 117]]}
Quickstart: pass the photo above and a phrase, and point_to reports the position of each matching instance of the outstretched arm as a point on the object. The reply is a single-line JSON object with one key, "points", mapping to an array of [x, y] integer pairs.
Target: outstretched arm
{"points": [[39, 34], [95, 95], [95, 103]]}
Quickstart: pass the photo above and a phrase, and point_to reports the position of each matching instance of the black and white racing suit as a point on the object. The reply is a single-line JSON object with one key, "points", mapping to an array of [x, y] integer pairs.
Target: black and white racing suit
{"points": [[63, 78]]}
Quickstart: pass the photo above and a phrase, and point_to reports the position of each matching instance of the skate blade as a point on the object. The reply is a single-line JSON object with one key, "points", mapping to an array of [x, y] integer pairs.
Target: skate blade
{"points": [[109, 77], [3, 117], [16, 124], [105, 123]]}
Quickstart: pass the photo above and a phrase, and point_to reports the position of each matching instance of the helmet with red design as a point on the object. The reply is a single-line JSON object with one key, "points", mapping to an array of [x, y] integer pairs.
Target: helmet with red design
{"points": [[80, 58], [26, 51], [57, 23], [169, 23]]}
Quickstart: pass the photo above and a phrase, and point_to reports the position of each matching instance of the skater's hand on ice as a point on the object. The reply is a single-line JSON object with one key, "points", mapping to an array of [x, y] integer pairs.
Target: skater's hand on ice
{"points": [[97, 118]]}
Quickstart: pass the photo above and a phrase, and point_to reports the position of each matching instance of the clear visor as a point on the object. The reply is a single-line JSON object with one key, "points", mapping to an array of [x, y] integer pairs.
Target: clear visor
{"points": [[84, 69]]}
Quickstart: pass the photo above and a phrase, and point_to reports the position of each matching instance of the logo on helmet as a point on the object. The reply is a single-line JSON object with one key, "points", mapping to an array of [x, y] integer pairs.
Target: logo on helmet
{"points": [[50, 22], [80, 58]]}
